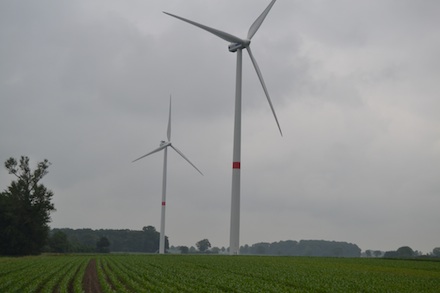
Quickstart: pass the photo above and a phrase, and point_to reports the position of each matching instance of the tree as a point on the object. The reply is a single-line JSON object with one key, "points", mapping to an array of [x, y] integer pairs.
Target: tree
{"points": [[103, 245], [405, 252], [25, 209], [152, 239], [122, 240], [377, 253], [184, 249], [244, 249], [391, 254], [203, 245], [436, 252], [58, 242], [261, 249]]}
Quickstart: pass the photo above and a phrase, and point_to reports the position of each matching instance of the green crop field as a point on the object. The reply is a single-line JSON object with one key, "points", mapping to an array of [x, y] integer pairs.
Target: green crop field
{"points": [[215, 273]]}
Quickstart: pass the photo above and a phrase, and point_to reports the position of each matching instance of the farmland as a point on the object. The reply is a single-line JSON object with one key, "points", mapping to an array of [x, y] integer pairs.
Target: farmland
{"points": [[214, 273]]}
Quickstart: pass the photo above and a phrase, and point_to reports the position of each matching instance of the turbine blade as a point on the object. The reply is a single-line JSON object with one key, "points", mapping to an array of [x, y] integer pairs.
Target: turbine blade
{"points": [[155, 151], [256, 25], [183, 156], [260, 76], [218, 33], [169, 123]]}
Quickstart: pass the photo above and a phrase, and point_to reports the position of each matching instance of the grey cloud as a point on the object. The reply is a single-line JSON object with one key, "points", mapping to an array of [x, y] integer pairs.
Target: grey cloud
{"points": [[86, 85]]}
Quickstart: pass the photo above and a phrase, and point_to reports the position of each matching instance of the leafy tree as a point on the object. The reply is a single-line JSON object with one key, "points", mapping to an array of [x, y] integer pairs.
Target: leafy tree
{"points": [[103, 245], [203, 245], [261, 249], [152, 239], [405, 252], [391, 254], [436, 252], [304, 248], [244, 249], [377, 253], [121, 240], [58, 242], [184, 249], [25, 209]]}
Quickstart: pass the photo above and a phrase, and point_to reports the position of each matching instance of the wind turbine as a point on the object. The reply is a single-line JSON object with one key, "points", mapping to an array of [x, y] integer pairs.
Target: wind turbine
{"points": [[237, 45], [164, 146]]}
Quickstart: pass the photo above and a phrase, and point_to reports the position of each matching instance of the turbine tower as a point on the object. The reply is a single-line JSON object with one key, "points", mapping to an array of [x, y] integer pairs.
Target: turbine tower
{"points": [[164, 146], [237, 45]]}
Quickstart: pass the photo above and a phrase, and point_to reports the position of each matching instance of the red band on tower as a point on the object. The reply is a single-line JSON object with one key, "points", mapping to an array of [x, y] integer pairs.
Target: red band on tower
{"points": [[236, 165], [163, 203]]}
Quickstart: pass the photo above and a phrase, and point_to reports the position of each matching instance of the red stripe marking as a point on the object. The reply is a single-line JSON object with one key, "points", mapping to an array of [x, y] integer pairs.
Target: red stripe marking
{"points": [[236, 165], [163, 203]]}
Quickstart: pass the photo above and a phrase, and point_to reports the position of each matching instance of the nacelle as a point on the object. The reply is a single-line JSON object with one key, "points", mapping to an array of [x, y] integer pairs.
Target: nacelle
{"points": [[233, 47]]}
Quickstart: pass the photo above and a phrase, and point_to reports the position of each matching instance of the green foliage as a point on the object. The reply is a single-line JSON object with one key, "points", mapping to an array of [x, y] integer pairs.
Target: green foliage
{"points": [[42, 273], [377, 253], [58, 242], [304, 248], [102, 246], [401, 252], [25, 209], [216, 273], [184, 249], [203, 245], [405, 252], [436, 252], [84, 240]]}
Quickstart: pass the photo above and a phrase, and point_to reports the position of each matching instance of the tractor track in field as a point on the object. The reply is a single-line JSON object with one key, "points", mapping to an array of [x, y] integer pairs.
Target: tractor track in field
{"points": [[90, 280]]}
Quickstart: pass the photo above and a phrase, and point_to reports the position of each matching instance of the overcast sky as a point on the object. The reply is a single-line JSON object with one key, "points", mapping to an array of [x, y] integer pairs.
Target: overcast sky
{"points": [[355, 85]]}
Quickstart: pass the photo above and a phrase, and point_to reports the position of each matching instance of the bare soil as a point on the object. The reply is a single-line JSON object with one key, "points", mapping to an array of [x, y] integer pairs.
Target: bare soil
{"points": [[90, 280]]}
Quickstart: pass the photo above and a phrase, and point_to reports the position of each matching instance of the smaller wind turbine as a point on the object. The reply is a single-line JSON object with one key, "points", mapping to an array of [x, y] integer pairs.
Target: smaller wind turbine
{"points": [[163, 146]]}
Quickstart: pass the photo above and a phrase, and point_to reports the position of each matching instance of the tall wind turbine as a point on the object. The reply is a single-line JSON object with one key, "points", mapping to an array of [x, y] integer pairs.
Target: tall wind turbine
{"points": [[237, 45], [164, 146]]}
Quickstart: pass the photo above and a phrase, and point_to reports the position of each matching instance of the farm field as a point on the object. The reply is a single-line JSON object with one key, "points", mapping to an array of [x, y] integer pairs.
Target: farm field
{"points": [[214, 273]]}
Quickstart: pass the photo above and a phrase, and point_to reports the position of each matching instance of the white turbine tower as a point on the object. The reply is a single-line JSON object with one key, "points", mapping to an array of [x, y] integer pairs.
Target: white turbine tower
{"points": [[237, 45], [164, 146]]}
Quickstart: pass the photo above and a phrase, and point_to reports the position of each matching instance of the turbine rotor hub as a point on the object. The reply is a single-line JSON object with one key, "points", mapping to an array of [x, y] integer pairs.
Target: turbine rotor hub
{"points": [[233, 47]]}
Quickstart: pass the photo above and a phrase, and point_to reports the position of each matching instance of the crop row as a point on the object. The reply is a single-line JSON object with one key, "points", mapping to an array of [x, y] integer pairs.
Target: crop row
{"points": [[171, 273], [43, 274], [204, 273]]}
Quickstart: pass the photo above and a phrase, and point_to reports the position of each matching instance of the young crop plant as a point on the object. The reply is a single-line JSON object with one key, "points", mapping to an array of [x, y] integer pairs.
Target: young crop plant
{"points": [[209, 273], [40, 274], [72, 279], [196, 273]]}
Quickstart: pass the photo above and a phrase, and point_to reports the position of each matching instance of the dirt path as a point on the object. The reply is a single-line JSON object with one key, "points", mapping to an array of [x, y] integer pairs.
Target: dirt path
{"points": [[90, 280]]}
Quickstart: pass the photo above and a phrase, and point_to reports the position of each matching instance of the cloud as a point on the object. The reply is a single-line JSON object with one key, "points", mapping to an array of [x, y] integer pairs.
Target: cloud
{"points": [[87, 85]]}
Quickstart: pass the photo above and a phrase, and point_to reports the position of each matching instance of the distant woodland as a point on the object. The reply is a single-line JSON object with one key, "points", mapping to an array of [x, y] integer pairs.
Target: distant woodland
{"points": [[85, 240], [147, 240], [304, 248]]}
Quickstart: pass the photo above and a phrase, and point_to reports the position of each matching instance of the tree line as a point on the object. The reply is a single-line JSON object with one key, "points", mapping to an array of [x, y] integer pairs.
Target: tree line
{"points": [[121, 240], [304, 248]]}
